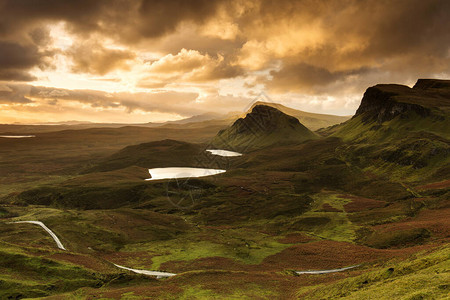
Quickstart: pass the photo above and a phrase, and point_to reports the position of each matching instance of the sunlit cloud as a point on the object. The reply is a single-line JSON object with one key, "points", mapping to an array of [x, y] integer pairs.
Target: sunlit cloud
{"points": [[201, 56]]}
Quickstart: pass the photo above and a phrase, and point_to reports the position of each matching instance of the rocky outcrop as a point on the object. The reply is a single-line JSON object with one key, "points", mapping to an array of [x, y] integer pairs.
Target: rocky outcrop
{"points": [[384, 102], [265, 119], [427, 84], [379, 103]]}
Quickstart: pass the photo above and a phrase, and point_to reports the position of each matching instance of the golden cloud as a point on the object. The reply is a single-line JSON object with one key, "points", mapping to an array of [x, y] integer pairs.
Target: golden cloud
{"points": [[306, 47], [91, 57]]}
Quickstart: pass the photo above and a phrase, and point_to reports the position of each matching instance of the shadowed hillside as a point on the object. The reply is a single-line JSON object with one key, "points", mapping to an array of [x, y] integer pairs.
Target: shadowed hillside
{"points": [[165, 153]]}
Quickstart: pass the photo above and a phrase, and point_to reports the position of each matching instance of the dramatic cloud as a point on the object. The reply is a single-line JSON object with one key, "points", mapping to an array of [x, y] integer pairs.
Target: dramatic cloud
{"points": [[19, 16], [160, 16], [334, 39], [93, 58], [307, 78], [328, 52], [191, 66]]}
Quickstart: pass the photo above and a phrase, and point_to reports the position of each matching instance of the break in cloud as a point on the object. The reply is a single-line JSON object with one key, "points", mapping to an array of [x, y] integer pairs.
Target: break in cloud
{"points": [[179, 58]]}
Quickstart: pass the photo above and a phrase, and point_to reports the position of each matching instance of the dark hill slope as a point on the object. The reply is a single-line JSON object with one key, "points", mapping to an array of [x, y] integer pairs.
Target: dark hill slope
{"points": [[165, 153], [263, 126]]}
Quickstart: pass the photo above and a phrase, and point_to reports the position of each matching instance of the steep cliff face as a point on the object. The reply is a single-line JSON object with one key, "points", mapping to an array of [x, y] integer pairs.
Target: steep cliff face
{"points": [[379, 103], [262, 127], [384, 102], [432, 84]]}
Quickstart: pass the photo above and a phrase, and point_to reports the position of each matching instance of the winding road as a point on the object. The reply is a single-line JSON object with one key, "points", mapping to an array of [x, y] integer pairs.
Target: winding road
{"points": [[60, 246], [166, 274], [52, 234], [150, 273], [325, 271]]}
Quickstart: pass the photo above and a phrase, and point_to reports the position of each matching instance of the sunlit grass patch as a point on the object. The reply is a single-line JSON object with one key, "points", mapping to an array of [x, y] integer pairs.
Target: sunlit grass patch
{"points": [[329, 225], [424, 276], [244, 246]]}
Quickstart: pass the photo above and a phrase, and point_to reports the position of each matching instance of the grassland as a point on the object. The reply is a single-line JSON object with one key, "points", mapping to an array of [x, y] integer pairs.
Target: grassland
{"points": [[368, 194]]}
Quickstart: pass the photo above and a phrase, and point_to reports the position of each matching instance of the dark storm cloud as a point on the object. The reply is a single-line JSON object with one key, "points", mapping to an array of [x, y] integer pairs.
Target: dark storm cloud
{"points": [[13, 56], [15, 59], [124, 21], [15, 75], [24, 38], [19, 15], [146, 18], [308, 78], [409, 38], [161, 16], [329, 40]]}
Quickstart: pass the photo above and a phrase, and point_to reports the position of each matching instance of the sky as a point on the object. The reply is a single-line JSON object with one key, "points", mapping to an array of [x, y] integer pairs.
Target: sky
{"points": [[135, 61]]}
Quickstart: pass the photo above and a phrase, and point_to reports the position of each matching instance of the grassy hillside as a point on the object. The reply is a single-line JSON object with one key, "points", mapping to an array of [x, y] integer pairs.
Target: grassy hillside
{"points": [[400, 132], [423, 276], [166, 153]]}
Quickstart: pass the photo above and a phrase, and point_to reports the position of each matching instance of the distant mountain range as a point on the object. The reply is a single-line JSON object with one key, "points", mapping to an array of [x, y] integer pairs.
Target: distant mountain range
{"points": [[311, 120]]}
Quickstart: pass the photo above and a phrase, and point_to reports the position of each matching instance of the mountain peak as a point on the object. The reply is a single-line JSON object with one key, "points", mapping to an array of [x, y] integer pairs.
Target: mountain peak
{"points": [[263, 126], [270, 118]]}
